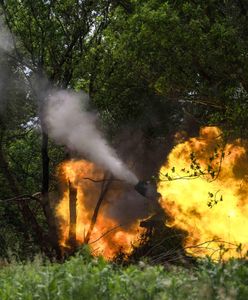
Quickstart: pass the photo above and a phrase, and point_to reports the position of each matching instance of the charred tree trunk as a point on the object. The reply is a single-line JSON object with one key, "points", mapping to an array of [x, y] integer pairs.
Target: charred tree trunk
{"points": [[72, 239]]}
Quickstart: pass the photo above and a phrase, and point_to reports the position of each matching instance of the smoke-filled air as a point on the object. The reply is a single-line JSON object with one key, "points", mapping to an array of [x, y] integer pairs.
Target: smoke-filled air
{"points": [[69, 123], [6, 43]]}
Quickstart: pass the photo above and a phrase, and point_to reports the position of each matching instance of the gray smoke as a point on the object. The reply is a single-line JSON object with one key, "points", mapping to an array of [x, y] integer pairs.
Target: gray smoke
{"points": [[69, 123], [6, 79], [128, 207], [6, 40]]}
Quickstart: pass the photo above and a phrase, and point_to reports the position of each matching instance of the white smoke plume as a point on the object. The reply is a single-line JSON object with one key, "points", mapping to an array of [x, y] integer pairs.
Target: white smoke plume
{"points": [[6, 40], [6, 46], [69, 123]]}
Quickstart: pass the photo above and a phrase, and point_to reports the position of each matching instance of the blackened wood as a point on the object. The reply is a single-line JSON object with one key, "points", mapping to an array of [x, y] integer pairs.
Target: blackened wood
{"points": [[72, 239]]}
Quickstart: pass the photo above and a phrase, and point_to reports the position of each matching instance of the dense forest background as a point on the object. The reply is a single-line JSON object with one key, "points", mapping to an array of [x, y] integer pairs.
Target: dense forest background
{"points": [[151, 68]]}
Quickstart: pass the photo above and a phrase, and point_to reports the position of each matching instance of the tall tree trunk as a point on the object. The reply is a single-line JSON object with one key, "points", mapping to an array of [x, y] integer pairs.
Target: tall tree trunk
{"points": [[40, 88], [45, 164], [46, 203]]}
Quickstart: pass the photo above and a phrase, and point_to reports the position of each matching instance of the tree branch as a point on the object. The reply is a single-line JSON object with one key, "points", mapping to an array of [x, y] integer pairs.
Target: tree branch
{"points": [[23, 198], [104, 190]]}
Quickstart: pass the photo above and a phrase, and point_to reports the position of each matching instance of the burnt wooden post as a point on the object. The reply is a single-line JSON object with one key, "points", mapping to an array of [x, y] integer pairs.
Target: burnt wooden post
{"points": [[72, 238]]}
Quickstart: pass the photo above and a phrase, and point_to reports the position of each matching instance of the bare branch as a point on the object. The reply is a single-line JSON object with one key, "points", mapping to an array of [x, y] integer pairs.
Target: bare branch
{"points": [[23, 198], [105, 233], [102, 180], [104, 190]]}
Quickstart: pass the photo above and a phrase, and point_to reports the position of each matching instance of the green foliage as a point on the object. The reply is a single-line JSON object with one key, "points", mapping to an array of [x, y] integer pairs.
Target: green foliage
{"points": [[51, 36], [167, 51], [83, 277]]}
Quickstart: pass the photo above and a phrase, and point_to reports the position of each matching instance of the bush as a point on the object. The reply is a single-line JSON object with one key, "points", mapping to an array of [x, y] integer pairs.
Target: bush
{"points": [[84, 277]]}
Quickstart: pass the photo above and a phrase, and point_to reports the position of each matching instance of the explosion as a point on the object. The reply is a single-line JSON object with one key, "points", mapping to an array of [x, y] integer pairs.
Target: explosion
{"points": [[209, 199], [203, 191], [85, 188]]}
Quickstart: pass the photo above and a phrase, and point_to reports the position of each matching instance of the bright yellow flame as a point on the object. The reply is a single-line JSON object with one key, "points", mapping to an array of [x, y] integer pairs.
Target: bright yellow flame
{"points": [[186, 193]]}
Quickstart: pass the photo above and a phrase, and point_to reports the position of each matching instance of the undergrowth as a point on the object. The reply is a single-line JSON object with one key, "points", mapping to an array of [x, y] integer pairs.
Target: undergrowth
{"points": [[84, 277]]}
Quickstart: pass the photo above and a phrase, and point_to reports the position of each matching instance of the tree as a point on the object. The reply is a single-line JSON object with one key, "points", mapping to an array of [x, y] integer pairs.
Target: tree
{"points": [[166, 52]]}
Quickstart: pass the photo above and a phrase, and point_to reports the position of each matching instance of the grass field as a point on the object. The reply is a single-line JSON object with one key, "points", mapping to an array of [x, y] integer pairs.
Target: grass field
{"points": [[84, 277]]}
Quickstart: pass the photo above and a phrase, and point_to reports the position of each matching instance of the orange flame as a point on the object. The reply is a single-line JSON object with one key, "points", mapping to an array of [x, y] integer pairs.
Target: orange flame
{"points": [[108, 237], [209, 199]]}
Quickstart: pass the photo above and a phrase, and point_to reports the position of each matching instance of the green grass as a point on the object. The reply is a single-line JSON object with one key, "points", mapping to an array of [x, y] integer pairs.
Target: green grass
{"points": [[83, 277]]}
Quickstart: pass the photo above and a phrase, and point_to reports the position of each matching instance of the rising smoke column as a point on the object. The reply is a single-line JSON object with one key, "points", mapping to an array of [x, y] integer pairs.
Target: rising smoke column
{"points": [[6, 40], [69, 123], [6, 46]]}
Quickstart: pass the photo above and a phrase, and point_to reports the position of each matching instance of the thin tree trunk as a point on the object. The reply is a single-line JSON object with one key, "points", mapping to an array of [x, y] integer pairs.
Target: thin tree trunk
{"points": [[104, 190], [53, 236], [45, 164]]}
